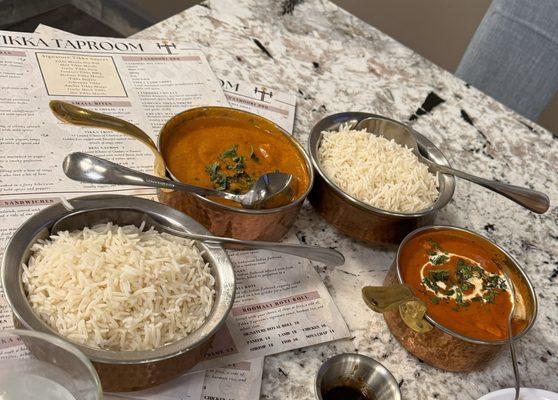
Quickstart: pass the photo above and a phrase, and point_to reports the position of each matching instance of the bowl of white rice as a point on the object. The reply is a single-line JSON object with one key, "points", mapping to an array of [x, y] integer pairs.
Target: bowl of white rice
{"points": [[370, 188], [142, 305]]}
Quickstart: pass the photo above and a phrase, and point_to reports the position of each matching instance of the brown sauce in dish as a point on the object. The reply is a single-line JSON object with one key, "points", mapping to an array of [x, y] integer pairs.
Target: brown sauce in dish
{"points": [[460, 281], [230, 155], [345, 393]]}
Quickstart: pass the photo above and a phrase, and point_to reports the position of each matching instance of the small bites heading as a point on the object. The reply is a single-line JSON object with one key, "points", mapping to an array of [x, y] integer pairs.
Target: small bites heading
{"points": [[70, 44]]}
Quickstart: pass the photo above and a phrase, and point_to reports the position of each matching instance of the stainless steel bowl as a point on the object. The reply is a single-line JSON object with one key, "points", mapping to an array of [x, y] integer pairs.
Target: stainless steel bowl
{"points": [[360, 220], [125, 370], [357, 371]]}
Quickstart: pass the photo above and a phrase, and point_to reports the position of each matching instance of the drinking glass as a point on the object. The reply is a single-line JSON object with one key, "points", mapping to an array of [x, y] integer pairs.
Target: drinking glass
{"points": [[38, 366]]}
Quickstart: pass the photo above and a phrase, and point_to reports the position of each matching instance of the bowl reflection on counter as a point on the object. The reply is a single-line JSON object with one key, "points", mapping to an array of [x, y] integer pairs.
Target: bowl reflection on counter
{"points": [[441, 347], [356, 218], [223, 220], [121, 371]]}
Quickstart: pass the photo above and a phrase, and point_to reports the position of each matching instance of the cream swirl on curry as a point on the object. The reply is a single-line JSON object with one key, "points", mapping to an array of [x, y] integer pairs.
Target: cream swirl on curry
{"points": [[469, 281]]}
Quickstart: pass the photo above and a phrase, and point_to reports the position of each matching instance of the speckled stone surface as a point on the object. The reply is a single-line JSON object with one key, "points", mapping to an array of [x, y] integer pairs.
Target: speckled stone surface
{"points": [[335, 62]]}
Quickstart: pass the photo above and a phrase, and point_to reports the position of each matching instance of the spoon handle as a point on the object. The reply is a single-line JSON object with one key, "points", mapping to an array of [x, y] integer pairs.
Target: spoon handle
{"points": [[531, 199], [517, 381], [75, 115], [91, 169], [319, 254], [384, 298], [411, 309]]}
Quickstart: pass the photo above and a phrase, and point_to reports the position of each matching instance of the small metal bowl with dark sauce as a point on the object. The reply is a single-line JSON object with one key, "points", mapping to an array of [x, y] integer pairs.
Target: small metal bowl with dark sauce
{"points": [[355, 377]]}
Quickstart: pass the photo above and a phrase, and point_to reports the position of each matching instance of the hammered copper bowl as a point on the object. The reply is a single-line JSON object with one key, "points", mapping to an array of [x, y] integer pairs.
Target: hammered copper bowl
{"points": [[266, 224], [124, 370], [441, 347], [360, 220]]}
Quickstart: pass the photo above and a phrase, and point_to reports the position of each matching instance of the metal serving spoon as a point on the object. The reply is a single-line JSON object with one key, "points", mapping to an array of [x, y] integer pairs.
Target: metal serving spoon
{"points": [[75, 115], [531, 199], [271, 188], [98, 216], [510, 338]]}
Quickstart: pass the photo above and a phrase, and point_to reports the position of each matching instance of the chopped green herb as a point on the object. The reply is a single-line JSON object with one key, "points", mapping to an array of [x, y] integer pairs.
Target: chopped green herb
{"points": [[489, 296], [430, 284], [438, 259], [229, 172], [439, 275], [230, 153], [464, 270], [212, 168], [459, 297], [240, 165], [435, 300], [253, 155], [494, 282], [434, 244], [460, 281]]}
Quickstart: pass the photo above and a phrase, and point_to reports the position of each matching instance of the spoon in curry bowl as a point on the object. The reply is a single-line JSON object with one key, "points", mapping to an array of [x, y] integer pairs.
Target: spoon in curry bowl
{"points": [[270, 189], [530, 199], [517, 383]]}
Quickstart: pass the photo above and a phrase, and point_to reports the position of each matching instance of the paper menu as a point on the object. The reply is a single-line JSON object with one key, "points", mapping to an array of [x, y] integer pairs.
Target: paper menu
{"points": [[185, 387], [281, 304], [256, 98], [240, 381], [272, 104], [144, 82]]}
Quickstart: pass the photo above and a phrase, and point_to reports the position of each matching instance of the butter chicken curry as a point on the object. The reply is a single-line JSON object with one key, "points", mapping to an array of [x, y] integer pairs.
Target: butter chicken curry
{"points": [[462, 284], [231, 154]]}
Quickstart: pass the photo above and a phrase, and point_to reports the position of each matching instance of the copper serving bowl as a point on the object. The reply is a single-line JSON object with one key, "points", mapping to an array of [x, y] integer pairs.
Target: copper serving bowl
{"points": [[123, 370], [356, 218], [265, 224], [441, 347]]}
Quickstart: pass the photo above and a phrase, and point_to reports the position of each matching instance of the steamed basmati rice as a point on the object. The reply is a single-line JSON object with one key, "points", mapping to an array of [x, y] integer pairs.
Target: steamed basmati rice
{"points": [[119, 288], [377, 171]]}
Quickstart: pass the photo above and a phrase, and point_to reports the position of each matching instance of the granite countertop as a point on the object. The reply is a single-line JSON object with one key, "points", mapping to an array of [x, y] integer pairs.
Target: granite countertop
{"points": [[336, 62]]}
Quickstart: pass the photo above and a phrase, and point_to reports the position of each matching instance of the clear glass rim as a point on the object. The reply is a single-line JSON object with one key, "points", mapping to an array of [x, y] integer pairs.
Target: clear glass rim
{"points": [[65, 346]]}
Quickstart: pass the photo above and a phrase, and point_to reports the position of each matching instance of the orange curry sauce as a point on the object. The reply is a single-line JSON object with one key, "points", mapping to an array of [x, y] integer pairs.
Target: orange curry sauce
{"points": [[202, 142], [478, 313]]}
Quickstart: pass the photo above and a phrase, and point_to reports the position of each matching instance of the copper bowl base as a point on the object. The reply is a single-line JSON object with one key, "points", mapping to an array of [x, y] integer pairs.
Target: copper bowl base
{"points": [[128, 378], [133, 377], [222, 222], [361, 224]]}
